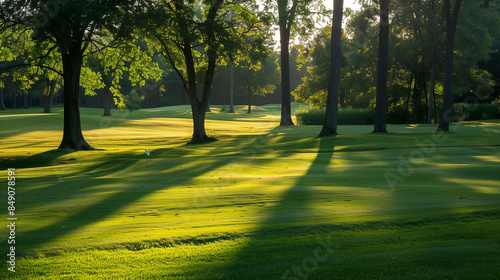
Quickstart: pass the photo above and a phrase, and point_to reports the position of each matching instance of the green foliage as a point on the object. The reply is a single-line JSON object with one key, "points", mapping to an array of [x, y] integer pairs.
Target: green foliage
{"points": [[257, 77], [129, 61], [133, 101], [474, 112], [345, 117], [416, 28], [298, 16]]}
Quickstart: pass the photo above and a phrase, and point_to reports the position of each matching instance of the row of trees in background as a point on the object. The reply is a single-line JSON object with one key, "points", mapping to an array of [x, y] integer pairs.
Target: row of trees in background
{"points": [[394, 55], [391, 56]]}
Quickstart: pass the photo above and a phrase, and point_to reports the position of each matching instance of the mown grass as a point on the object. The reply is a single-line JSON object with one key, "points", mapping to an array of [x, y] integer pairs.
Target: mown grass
{"points": [[262, 202]]}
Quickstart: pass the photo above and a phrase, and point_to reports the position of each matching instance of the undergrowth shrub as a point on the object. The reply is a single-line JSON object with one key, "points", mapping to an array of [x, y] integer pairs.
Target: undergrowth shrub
{"points": [[399, 115], [346, 117], [474, 112]]}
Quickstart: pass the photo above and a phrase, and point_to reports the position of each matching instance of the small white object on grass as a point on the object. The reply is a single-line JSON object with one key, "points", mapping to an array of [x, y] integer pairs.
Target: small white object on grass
{"points": [[146, 156]]}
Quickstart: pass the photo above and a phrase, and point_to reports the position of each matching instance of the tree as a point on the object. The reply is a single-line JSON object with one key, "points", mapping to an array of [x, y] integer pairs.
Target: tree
{"points": [[292, 14], [70, 26], [16, 44], [331, 116], [49, 93], [382, 68], [132, 59], [433, 57], [231, 89], [258, 77], [193, 39], [451, 22], [2, 104]]}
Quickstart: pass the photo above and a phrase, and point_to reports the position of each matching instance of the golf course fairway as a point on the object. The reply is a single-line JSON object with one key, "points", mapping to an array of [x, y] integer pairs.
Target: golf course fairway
{"points": [[261, 202]]}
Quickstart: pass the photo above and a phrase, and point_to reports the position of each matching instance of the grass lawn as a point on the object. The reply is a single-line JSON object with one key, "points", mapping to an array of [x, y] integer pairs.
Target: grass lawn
{"points": [[263, 202]]}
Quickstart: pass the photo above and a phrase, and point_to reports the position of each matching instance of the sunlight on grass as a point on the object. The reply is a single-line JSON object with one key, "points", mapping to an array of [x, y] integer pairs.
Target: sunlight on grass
{"points": [[482, 185], [253, 204], [10, 117]]}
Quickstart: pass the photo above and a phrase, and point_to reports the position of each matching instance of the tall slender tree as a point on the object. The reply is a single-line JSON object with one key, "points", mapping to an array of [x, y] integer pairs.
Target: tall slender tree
{"points": [[382, 69], [433, 57], [331, 116], [231, 89], [291, 14], [451, 15]]}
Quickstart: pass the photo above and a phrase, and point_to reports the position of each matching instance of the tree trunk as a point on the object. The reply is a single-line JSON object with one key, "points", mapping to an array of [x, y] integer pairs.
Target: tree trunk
{"points": [[72, 133], [382, 69], [107, 101], [208, 106], [199, 108], [157, 99], [451, 21], [2, 103], [331, 117], [432, 90], [424, 88], [25, 100], [416, 98], [249, 101], [47, 103], [223, 103], [231, 90], [199, 134], [14, 100], [409, 95], [286, 107]]}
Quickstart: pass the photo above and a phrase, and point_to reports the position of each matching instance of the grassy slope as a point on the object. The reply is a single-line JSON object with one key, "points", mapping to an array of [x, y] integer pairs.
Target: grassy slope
{"points": [[257, 204]]}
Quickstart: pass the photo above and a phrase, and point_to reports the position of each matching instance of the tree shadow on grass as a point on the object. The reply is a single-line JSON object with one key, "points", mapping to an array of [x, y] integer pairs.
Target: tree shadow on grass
{"points": [[113, 202], [264, 257], [285, 246], [46, 158]]}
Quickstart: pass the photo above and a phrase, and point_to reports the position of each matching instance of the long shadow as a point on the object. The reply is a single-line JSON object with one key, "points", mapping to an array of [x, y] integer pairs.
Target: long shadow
{"points": [[101, 209], [287, 221], [280, 221], [38, 160], [65, 184]]}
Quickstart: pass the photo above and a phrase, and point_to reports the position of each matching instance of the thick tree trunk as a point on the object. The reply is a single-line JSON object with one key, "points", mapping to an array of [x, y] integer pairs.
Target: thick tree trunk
{"points": [[331, 117], [199, 113], [2, 103], [72, 133], [286, 107], [208, 106], [231, 90], [199, 108], [451, 21], [47, 103], [382, 69]]}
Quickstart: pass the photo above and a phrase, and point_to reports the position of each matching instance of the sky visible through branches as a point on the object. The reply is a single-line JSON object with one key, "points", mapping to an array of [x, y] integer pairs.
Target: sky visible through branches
{"points": [[352, 4]]}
